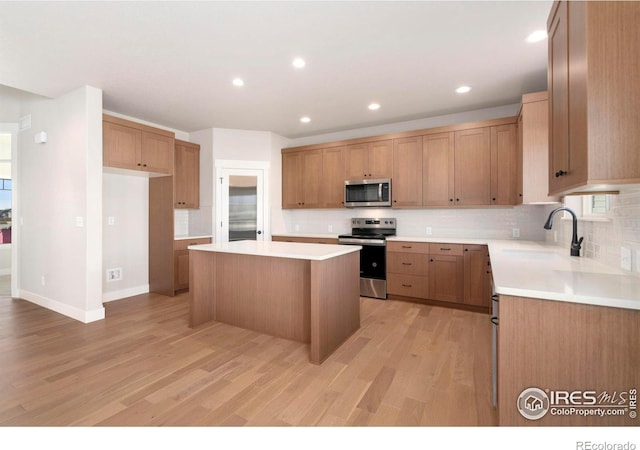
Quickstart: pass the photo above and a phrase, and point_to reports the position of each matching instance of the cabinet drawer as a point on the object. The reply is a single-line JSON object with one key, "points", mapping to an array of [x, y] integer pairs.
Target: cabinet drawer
{"points": [[408, 247], [182, 244], [445, 249], [408, 263], [407, 285]]}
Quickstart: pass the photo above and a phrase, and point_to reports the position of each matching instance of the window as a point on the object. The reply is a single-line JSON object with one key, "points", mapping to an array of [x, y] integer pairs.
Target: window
{"points": [[589, 207]]}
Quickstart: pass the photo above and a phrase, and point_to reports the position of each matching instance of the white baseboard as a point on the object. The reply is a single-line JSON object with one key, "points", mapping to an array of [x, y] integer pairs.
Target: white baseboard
{"points": [[64, 309], [5, 271], [124, 293]]}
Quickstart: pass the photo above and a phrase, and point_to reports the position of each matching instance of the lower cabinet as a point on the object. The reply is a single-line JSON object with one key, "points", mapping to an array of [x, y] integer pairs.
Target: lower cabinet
{"points": [[452, 273], [181, 261]]}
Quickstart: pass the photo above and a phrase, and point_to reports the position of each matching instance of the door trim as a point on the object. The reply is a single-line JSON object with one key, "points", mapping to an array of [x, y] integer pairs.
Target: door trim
{"points": [[13, 128]]}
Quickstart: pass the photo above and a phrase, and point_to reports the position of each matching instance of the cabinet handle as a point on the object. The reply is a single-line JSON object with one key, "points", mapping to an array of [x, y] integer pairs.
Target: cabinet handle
{"points": [[494, 199], [407, 246], [407, 264], [139, 164], [560, 173], [406, 285], [445, 249], [431, 260], [457, 199], [520, 194]]}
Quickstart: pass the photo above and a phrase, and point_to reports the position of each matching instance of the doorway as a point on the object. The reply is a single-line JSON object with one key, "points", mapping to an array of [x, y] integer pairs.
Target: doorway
{"points": [[241, 190], [8, 208]]}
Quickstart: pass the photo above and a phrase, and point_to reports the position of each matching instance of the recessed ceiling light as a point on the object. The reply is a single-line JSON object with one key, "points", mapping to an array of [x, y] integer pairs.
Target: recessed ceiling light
{"points": [[238, 82], [298, 63], [374, 106], [305, 119], [537, 36], [463, 89]]}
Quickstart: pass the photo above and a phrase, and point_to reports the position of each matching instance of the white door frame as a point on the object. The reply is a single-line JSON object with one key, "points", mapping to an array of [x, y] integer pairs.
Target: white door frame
{"points": [[12, 128], [224, 168]]}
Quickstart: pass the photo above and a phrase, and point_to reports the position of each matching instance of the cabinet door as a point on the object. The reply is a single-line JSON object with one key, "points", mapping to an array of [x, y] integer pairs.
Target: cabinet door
{"points": [[380, 159], [558, 84], [520, 160], [121, 146], [333, 177], [503, 165], [312, 178], [157, 153], [472, 165], [187, 176], [446, 274], [476, 273], [292, 180], [181, 269], [437, 171], [356, 161], [407, 172]]}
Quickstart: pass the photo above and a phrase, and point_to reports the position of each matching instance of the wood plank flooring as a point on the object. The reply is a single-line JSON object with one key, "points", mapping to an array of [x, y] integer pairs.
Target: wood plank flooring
{"points": [[408, 365]]}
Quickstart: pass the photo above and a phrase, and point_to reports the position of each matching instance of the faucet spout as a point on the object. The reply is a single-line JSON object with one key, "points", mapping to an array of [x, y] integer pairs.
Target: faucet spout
{"points": [[576, 244]]}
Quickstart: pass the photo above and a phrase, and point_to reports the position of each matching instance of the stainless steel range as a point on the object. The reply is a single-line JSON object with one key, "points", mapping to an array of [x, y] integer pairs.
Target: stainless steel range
{"points": [[371, 234]]}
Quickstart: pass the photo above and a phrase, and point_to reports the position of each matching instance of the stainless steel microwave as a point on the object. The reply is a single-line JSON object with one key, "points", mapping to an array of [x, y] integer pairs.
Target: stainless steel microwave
{"points": [[367, 192]]}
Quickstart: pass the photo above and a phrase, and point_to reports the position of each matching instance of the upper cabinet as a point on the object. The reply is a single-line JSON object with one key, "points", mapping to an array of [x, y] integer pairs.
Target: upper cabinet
{"points": [[301, 179], [503, 165], [472, 167], [406, 189], [594, 55], [186, 187], [133, 146], [533, 150], [370, 160], [466, 165]]}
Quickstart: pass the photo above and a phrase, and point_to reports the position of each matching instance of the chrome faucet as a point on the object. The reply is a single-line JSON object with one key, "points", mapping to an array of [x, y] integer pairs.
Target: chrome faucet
{"points": [[575, 243]]}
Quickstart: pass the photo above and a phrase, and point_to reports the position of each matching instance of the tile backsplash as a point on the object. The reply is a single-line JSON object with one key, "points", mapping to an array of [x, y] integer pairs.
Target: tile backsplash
{"points": [[482, 223], [603, 240]]}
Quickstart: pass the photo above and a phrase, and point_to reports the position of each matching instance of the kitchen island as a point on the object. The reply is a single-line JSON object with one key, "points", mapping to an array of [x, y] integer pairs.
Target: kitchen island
{"points": [[304, 292]]}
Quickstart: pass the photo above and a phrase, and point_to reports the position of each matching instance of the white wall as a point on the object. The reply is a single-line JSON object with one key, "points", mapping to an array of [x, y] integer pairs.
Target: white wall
{"points": [[10, 100], [60, 182], [126, 242]]}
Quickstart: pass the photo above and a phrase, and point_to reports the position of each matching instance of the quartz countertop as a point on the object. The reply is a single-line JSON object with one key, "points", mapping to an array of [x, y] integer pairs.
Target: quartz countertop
{"points": [[315, 252], [182, 237], [308, 235]]}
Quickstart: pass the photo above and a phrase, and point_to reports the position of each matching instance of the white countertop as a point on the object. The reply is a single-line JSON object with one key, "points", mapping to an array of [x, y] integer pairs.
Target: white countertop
{"points": [[315, 252], [444, 240], [182, 237], [538, 270], [308, 235]]}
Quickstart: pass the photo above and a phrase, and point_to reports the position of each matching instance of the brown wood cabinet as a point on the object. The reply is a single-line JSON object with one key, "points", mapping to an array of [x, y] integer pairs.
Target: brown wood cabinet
{"points": [[181, 261], [370, 160], [472, 167], [452, 273], [186, 187], [504, 174], [477, 276], [301, 179], [407, 172], [333, 177], [133, 146], [594, 55], [437, 170], [565, 346], [533, 150]]}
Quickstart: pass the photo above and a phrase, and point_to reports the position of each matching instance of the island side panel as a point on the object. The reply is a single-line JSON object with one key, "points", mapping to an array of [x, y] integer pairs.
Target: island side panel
{"points": [[553, 345], [202, 282], [335, 303], [265, 294]]}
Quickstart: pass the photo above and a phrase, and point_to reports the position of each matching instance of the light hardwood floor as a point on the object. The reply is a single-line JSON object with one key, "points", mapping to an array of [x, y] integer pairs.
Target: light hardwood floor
{"points": [[408, 365]]}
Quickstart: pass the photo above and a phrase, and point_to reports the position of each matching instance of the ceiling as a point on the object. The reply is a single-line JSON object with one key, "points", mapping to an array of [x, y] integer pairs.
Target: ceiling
{"points": [[172, 63]]}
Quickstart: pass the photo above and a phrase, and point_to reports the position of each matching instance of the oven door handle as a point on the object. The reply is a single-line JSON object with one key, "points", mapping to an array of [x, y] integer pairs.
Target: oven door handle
{"points": [[355, 241]]}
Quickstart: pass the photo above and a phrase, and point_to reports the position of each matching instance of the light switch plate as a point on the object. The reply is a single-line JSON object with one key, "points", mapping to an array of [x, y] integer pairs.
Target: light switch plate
{"points": [[428, 231], [515, 232], [625, 258]]}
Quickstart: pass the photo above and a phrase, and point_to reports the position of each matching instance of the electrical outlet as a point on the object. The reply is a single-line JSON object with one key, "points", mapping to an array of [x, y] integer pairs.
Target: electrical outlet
{"points": [[42, 280], [114, 274], [625, 258], [428, 231], [515, 232], [555, 236], [79, 221], [296, 227], [330, 228], [111, 220]]}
